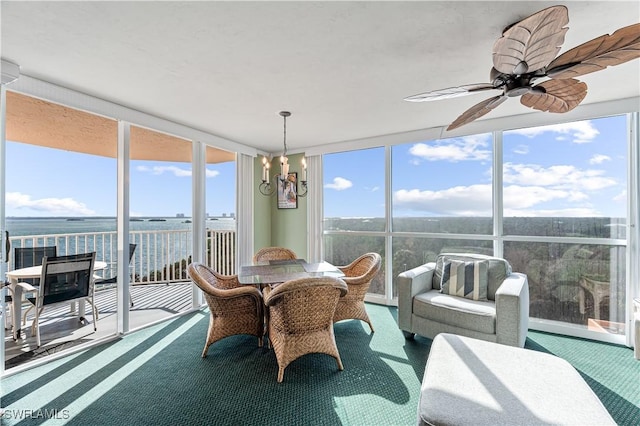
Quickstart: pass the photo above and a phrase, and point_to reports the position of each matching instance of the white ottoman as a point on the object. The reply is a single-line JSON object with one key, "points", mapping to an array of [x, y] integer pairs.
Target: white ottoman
{"points": [[474, 382]]}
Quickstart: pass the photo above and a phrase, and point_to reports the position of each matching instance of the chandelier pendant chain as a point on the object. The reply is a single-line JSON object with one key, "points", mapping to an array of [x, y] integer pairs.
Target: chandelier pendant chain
{"points": [[284, 115]]}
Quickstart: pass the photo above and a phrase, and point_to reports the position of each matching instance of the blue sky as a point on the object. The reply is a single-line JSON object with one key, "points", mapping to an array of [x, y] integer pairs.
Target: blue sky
{"points": [[50, 182], [573, 169]]}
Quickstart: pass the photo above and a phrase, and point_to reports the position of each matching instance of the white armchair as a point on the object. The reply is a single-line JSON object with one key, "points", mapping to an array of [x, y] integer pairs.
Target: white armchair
{"points": [[502, 317]]}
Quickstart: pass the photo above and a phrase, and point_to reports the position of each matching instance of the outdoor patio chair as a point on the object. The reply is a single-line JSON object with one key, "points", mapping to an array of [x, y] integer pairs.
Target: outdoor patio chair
{"points": [[301, 318], [114, 279], [235, 308], [25, 257], [358, 276], [274, 253], [64, 279]]}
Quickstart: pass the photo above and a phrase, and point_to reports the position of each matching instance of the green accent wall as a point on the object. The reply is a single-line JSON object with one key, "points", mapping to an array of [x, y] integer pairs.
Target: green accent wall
{"points": [[280, 227], [261, 212]]}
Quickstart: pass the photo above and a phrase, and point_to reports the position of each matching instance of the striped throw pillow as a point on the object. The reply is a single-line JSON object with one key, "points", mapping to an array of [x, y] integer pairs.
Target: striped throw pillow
{"points": [[465, 279]]}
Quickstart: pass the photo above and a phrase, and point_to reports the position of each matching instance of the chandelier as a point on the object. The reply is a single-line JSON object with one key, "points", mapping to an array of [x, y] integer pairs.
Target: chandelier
{"points": [[268, 185]]}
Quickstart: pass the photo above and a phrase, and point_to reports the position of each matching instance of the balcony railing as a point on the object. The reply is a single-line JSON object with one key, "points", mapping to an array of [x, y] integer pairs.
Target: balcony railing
{"points": [[160, 256]]}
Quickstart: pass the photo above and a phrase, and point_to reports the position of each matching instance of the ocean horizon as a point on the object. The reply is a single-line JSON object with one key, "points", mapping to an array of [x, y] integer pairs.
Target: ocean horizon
{"points": [[23, 226]]}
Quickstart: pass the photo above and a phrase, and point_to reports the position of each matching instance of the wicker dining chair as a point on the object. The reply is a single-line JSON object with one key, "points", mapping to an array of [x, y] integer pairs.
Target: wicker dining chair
{"points": [[358, 276], [235, 308], [300, 318], [274, 253]]}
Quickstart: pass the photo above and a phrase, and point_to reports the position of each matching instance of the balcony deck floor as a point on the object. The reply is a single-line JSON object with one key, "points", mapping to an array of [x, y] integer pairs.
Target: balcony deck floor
{"points": [[60, 329]]}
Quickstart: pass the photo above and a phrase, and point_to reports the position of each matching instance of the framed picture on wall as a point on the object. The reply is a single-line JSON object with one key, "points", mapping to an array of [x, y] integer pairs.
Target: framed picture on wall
{"points": [[288, 192]]}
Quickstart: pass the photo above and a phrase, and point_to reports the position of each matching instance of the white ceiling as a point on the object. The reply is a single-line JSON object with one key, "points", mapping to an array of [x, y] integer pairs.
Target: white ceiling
{"points": [[341, 68]]}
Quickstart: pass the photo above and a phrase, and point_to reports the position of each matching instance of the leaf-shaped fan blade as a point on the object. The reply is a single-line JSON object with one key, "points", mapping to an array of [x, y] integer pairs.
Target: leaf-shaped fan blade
{"points": [[597, 54], [451, 92], [532, 43], [477, 111], [558, 95]]}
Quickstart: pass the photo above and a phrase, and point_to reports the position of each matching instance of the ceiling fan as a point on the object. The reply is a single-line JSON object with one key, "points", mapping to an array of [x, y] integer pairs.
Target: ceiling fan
{"points": [[527, 51]]}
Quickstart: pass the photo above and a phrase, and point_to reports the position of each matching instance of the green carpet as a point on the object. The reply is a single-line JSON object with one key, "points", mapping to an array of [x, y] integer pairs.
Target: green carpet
{"points": [[611, 370], [156, 376]]}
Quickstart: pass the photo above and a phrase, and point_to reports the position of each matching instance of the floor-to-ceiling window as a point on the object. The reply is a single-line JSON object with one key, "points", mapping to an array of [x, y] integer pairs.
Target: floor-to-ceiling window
{"points": [[354, 208], [60, 191], [61, 174], [160, 224], [552, 200], [565, 218], [442, 199], [220, 201]]}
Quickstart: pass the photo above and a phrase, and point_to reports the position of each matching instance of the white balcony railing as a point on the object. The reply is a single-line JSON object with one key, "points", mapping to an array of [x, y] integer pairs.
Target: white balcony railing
{"points": [[160, 256]]}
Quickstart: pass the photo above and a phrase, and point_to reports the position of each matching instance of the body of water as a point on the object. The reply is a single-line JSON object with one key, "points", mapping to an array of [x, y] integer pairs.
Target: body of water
{"points": [[62, 225], [160, 241]]}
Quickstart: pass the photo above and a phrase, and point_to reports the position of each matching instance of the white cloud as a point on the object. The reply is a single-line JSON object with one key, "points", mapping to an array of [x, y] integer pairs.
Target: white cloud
{"points": [[474, 200], [374, 189], [521, 149], [339, 184], [211, 173], [176, 171], [158, 170], [469, 148], [560, 176], [621, 197], [599, 159], [578, 131], [50, 206], [521, 197]]}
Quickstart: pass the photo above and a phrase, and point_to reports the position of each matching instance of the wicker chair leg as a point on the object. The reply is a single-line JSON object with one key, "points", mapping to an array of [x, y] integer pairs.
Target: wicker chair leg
{"points": [[339, 361], [204, 351], [370, 325], [280, 374]]}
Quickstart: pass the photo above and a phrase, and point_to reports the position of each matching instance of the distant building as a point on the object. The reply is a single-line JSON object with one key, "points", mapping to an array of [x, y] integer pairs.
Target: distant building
{"points": [[233, 215], [224, 215], [180, 215]]}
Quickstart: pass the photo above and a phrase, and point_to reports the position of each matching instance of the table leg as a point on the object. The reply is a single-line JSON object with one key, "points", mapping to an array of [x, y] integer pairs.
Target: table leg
{"points": [[16, 310], [81, 309], [8, 320]]}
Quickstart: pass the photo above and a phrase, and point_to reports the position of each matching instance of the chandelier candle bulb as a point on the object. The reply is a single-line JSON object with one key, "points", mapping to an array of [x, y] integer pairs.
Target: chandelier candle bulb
{"points": [[265, 176], [285, 167], [304, 169]]}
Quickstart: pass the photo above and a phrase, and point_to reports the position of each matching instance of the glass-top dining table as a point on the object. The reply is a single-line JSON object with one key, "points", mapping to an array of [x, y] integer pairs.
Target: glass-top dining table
{"points": [[278, 271]]}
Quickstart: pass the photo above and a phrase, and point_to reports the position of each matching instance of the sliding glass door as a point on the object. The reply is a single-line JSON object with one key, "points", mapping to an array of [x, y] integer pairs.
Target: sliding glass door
{"points": [[60, 192]]}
